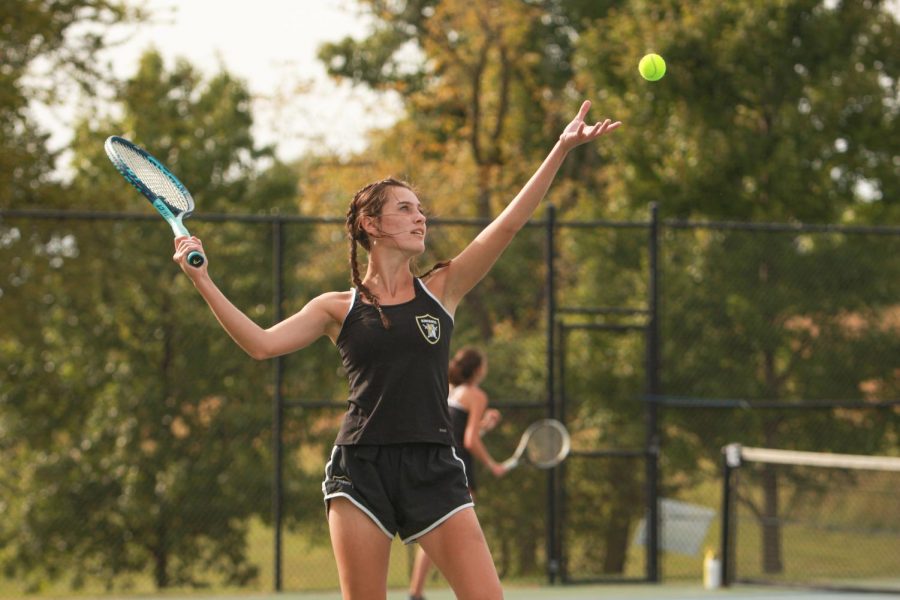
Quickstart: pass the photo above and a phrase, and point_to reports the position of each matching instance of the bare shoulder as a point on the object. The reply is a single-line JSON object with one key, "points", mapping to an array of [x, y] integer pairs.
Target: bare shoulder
{"points": [[334, 305], [475, 396], [333, 298], [436, 281]]}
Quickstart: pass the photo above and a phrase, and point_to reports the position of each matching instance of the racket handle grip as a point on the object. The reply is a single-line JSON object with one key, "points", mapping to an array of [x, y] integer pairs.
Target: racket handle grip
{"points": [[511, 463], [195, 259]]}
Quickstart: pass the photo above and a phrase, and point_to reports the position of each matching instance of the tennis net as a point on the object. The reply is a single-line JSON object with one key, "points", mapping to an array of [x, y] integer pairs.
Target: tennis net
{"points": [[811, 519]]}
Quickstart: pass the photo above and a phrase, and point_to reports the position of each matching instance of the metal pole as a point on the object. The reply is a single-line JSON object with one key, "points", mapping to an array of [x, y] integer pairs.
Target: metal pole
{"points": [[550, 233], [277, 401], [731, 460], [724, 550], [561, 468], [653, 389], [552, 562]]}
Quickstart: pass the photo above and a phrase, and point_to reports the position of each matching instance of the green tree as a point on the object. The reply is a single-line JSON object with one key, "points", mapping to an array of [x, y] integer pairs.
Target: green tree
{"points": [[56, 40], [141, 431], [486, 95], [770, 111], [784, 318]]}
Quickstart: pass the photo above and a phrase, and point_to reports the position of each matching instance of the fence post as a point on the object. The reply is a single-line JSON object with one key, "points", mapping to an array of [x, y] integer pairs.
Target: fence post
{"points": [[277, 402], [652, 407], [550, 230]]}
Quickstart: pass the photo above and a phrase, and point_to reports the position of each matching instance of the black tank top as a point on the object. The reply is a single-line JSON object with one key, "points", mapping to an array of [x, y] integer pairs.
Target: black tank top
{"points": [[398, 376], [459, 418]]}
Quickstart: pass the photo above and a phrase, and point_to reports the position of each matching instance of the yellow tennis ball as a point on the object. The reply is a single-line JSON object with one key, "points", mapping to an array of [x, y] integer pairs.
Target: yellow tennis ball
{"points": [[652, 67]]}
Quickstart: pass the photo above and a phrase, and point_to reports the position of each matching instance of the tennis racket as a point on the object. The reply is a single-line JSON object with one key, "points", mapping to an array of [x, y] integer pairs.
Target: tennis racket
{"points": [[545, 444], [148, 176]]}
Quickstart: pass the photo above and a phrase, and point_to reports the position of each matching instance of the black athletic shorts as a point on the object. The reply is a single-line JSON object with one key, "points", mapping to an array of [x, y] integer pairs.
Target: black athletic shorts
{"points": [[469, 463], [406, 489]]}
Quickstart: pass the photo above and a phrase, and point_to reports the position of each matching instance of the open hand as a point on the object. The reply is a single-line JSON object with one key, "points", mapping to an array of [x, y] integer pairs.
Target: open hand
{"points": [[577, 132]]}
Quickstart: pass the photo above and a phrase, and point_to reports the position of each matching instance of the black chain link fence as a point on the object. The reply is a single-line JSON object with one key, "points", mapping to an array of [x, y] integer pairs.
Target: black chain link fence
{"points": [[136, 440]]}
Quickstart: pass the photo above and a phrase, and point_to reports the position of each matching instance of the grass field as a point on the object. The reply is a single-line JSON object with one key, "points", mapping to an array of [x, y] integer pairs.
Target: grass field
{"points": [[309, 566]]}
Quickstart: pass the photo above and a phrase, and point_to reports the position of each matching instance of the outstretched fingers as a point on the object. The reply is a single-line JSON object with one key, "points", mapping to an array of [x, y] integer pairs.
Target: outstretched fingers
{"points": [[596, 129], [604, 127], [578, 132], [586, 133], [583, 111], [599, 129]]}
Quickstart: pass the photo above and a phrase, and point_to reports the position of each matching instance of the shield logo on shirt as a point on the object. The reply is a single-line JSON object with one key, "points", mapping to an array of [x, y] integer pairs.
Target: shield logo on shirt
{"points": [[430, 328]]}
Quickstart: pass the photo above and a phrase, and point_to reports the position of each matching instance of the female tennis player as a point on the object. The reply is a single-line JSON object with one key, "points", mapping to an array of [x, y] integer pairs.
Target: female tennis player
{"points": [[393, 469], [471, 418]]}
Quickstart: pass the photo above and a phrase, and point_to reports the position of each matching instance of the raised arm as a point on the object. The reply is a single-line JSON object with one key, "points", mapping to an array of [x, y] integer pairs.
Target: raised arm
{"points": [[473, 263], [321, 315]]}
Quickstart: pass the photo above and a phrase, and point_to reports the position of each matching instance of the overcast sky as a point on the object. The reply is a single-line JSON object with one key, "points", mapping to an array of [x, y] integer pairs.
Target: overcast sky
{"points": [[272, 45]]}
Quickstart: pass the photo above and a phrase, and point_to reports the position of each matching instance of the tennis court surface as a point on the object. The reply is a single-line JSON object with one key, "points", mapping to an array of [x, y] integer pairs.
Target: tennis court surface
{"points": [[578, 592], [662, 592]]}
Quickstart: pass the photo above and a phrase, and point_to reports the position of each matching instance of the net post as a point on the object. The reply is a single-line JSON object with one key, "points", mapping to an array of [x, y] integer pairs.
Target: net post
{"points": [[868, 532], [731, 459]]}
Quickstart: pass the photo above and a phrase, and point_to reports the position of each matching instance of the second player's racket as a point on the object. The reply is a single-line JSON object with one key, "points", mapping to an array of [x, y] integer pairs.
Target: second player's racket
{"points": [[168, 195], [545, 444]]}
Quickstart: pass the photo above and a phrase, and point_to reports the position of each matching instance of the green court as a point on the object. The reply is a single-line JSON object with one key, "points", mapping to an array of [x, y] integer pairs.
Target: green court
{"points": [[587, 592]]}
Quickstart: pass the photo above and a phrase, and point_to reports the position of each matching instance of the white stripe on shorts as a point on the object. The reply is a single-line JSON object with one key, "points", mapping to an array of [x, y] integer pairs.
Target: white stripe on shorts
{"points": [[461, 462], [348, 497], [415, 536], [362, 508]]}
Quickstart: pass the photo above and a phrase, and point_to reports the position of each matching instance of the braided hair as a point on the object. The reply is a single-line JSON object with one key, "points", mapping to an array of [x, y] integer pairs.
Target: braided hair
{"points": [[367, 202]]}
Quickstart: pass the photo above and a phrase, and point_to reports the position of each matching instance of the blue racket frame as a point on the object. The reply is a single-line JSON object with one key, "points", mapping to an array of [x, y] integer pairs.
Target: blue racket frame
{"points": [[172, 214]]}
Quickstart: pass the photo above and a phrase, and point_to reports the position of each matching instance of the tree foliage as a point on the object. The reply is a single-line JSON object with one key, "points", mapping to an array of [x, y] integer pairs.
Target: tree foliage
{"points": [[117, 454], [56, 41], [141, 433], [770, 111]]}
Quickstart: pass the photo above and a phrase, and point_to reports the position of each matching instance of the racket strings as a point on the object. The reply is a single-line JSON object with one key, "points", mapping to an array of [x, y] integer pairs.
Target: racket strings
{"points": [[545, 445], [155, 179]]}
